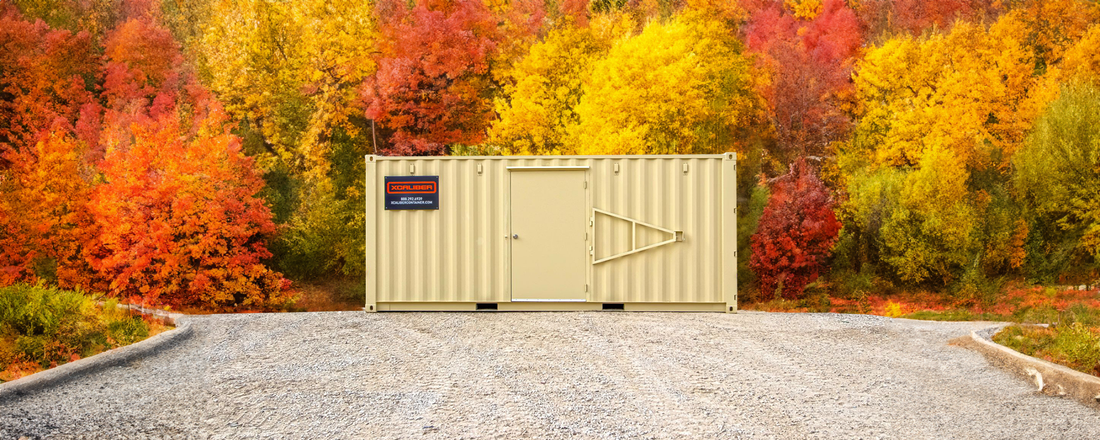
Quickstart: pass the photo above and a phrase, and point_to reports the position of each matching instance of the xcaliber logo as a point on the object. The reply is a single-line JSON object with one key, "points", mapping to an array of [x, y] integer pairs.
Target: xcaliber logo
{"points": [[411, 188]]}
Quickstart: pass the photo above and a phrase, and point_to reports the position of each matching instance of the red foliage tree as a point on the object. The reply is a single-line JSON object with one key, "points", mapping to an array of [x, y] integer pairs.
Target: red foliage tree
{"points": [[796, 234], [432, 84], [811, 65]]}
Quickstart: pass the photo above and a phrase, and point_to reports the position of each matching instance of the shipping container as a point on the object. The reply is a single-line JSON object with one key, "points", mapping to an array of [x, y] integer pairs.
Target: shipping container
{"points": [[551, 233]]}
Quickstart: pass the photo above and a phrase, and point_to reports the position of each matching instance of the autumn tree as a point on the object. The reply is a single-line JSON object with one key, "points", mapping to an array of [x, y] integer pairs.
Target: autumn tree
{"points": [[47, 77], [915, 17], [928, 236], [541, 92], [940, 118], [678, 87], [92, 16], [1080, 63], [180, 222], [142, 68], [1059, 170], [797, 230], [969, 91], [250, 60], [809, 51], [44, 218], [291, 73], [1049, 27], [432, 85], [177, 217], [871, 196]]}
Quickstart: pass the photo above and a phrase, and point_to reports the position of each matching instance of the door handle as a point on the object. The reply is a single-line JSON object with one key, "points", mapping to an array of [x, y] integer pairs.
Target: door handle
{"points": [[515, 236]]}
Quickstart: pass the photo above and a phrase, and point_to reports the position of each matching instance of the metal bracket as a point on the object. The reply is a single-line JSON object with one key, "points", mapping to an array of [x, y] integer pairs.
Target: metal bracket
{"points": [[676, 236]]}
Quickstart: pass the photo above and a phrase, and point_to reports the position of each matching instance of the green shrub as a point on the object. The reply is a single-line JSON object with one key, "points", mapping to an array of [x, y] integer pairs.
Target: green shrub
{"points": [[128, 331], [1029, 341], [946, 315], [853, 285], [46, 325], [322, 235], [974, 288], [928, 237], [1040, 314], [872, 199], [746, 227], [1072, 344], [1079, 345], [1083, 314]]}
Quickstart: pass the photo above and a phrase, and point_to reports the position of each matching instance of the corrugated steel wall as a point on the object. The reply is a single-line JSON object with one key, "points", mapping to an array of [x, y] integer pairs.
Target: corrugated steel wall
{"points": [[460, 253]]}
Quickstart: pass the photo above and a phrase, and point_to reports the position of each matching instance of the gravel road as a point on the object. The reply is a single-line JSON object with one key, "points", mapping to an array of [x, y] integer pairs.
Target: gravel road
{"points": [[554, 375]]}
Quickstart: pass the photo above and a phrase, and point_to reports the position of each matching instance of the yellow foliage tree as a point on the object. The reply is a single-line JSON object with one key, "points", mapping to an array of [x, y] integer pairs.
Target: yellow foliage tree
{"points": [[542, 91], [291, 70], [1081, 62], [1059, 169], [804, 9], [970, 91], [679, 87]]}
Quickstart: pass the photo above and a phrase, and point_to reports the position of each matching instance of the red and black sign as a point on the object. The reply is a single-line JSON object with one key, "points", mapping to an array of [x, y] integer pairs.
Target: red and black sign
{"points": [[412, 192]]}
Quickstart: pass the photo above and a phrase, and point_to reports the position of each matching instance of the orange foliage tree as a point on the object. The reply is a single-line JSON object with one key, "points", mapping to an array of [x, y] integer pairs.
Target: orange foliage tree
{"points": [[432, 84], [44, 219], [143, 64], [46, 78], [180, 219], [181, 222]]}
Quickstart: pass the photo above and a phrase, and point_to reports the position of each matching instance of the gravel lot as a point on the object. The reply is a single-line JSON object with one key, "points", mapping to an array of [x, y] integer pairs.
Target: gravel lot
{"points": [[555, 375]]}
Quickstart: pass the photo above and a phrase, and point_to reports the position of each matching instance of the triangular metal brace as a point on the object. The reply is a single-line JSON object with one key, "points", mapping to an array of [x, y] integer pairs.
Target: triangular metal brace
{"points": [[676, 236]]}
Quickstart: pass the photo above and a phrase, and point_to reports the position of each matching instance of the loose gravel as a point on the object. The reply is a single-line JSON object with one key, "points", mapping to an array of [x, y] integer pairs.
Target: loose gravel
{"points": [[554, 375]]}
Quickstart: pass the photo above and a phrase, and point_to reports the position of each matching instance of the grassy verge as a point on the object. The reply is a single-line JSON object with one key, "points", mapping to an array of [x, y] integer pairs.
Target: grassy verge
{"points": [[1015, 304], [1072, 338], [43, 327], [1074, 345]]}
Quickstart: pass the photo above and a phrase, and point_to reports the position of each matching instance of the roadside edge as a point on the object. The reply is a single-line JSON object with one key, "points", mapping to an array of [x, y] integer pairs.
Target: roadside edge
{"points": [[119, 356], [1048, 377]]}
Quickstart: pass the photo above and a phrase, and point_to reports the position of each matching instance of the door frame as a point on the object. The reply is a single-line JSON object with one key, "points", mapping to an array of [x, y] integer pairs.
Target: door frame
{"points": [[588, 227]]}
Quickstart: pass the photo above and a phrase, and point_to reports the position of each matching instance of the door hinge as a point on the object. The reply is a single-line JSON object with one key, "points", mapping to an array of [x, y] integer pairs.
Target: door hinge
{"points": [[585, 184], [585, 287]]}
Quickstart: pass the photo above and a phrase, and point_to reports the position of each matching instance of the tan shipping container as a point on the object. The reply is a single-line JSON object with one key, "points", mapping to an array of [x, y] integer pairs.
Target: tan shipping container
{"points": [[552, 233]]}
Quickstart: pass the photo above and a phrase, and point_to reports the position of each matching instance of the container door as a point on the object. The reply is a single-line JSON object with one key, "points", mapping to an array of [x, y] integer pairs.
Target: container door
{"points": [[549, 240]]}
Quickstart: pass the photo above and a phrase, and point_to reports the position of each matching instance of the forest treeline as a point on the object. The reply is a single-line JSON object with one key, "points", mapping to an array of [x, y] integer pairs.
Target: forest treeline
{"points": [[202, 152]]}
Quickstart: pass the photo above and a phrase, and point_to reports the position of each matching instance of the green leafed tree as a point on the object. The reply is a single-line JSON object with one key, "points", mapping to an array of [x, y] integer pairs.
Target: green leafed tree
{"points": [[1058, 170], [928, 235]]}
